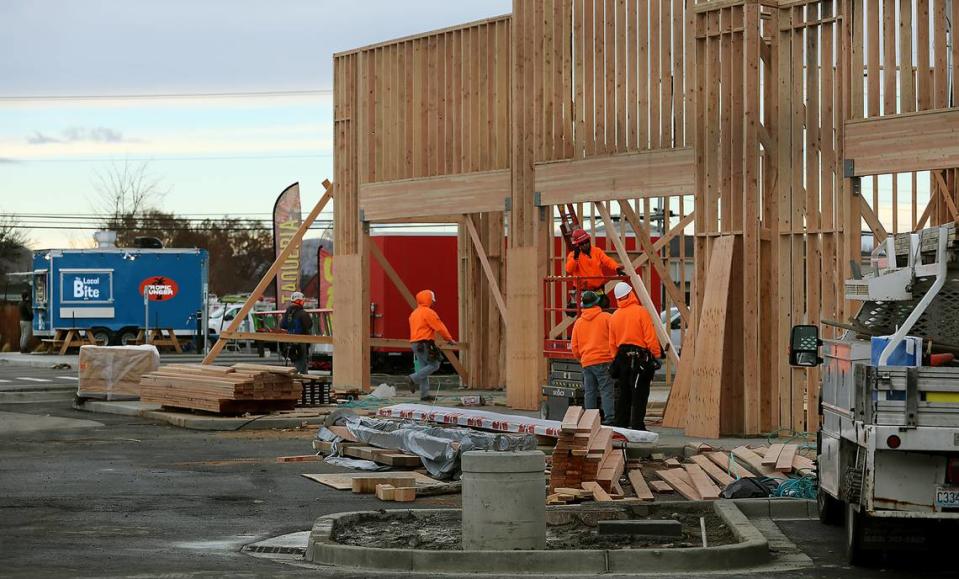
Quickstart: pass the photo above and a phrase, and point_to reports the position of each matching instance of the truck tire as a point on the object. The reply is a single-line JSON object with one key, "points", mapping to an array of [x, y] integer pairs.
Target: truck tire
{"points": [[830, 509], [102, 336], [855, 523], [126, 337]]}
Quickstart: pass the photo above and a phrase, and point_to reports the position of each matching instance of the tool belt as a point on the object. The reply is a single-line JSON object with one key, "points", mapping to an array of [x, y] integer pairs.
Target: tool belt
{"points": [[432, 351], [631, 359]]}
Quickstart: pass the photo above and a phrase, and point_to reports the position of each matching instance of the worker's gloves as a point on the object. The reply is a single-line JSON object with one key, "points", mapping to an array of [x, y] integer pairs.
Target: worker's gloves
{"points": [[576, 252], [620, 271]]}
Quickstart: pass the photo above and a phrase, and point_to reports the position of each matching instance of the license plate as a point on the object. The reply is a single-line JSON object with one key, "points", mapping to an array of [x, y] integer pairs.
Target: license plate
{"points": [[947, 497]]}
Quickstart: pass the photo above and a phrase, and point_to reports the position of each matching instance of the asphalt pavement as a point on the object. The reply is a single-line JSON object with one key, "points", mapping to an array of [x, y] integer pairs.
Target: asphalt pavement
{"points": [[125, 497]]}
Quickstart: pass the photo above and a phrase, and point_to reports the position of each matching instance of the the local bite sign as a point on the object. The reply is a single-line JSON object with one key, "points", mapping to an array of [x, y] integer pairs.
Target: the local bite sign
{"points": [[86, 287], [159, 288]]}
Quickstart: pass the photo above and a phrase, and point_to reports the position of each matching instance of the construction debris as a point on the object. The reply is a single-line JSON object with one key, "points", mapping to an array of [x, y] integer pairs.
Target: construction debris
{"points": [[702, 475], [243, 388], [584, 453]]}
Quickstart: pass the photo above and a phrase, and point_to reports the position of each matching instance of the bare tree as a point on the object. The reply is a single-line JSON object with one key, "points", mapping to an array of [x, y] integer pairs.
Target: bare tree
{"points": [[126, 189], [13, 242]]}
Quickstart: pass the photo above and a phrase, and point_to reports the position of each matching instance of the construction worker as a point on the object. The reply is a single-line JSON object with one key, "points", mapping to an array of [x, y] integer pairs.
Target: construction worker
{"points": [[296, 320], [590, 344], [424, 323], [592, 263], [633, 341]]}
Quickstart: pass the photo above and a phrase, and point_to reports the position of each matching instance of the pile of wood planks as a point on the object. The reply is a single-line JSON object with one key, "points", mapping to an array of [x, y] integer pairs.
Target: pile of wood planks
{"points": [[351, 448], [242, 388], [584, 453]]}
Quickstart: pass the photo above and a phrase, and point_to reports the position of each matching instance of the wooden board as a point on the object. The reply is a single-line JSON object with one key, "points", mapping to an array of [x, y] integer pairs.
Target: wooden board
{"points": [[571, 418], [755, 463], [722, 460], [923, 141], [679, 480], [639, 485], [771, 455], [712, 469], [784, 462], [705, 487], [703, 414], [442, 195], [598, 493], [344, 481], [661, 486], [625, 175]]}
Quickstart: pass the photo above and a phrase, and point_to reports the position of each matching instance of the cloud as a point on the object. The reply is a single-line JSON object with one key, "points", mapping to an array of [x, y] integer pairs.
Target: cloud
{"points": [[7, 161], [80, 135]]}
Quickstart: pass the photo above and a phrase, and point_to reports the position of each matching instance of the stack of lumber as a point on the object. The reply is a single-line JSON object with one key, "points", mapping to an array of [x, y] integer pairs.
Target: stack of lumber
{"points": [[584, 453], [239, 389], [351, 448]]}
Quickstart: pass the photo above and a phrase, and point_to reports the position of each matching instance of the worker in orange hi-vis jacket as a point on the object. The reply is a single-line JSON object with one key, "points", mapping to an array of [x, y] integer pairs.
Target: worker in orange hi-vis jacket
{"points": [[424, 323], [590, 345], [635, 347], [590, 262]]}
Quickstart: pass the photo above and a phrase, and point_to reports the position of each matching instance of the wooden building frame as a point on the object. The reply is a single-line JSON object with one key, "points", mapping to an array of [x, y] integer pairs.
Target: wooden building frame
{"points": [[772, 128]]}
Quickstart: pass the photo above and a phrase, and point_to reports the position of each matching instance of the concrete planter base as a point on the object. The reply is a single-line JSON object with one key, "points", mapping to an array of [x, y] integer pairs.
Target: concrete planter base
{"points": [[751, 550]]}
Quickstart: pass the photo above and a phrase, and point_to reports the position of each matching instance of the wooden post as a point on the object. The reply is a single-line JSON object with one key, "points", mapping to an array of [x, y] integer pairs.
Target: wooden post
{"points": [[637, 282], [267, 279]]}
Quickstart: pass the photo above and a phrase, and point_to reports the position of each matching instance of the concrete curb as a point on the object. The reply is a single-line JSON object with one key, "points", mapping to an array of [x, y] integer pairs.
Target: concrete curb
{"points": [[198, 422], [751, 551], [778, 508]]}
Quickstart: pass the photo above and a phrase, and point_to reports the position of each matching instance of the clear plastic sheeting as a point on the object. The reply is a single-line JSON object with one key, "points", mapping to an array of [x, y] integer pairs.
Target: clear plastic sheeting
{"points": [[355, 463], [114, 372], [495, 421], [439, 448]]}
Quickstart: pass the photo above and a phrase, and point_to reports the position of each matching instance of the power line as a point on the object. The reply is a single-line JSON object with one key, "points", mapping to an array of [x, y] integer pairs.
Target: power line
{"points": [[175, 95], [165, 159]]}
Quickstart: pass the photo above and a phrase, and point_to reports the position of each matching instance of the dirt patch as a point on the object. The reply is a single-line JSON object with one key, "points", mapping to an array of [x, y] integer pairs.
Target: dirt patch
{"points": [[441, 532]]}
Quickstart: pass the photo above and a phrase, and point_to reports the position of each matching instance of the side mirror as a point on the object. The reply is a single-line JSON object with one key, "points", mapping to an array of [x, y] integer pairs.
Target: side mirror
{"points": [[804, 345]]}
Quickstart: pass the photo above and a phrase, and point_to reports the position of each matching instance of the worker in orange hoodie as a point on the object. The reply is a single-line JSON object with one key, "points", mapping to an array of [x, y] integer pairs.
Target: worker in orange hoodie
{"points": [[424, 324], [633, 341], [591, 263], [590, 345]]}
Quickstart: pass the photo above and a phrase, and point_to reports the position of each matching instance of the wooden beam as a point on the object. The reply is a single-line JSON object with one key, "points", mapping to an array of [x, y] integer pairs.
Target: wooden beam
{"points": [[678, 297], [411, 302], [285, 338], [267, 279], [477, 192], [903, 143], [874, 224], [946, 196], [638, 286], [626, 175], [481, 253], [401, 343]]}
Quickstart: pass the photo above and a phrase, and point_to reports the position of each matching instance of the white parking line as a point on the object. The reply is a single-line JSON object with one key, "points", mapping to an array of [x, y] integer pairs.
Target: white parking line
{"points": [[33, 379], [69, 377], [2, 381]]}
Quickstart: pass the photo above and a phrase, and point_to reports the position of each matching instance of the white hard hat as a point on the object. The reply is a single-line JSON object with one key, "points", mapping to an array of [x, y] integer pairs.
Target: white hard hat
{"points": [[622, 290], [296, 296]]}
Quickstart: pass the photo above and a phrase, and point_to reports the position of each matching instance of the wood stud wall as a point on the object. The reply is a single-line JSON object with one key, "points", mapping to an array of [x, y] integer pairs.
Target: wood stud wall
{"points": [[760, 89]]}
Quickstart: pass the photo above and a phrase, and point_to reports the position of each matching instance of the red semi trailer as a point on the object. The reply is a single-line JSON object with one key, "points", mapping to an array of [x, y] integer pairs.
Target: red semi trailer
{"points": [[429, 261]]}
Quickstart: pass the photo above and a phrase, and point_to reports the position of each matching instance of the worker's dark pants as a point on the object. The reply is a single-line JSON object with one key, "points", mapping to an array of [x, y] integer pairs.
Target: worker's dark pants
{"points": [[632, 395], [301, 358]]}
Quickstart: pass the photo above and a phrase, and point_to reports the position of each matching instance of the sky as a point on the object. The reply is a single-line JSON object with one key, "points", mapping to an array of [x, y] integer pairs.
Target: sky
{"points": [[210, 154]]}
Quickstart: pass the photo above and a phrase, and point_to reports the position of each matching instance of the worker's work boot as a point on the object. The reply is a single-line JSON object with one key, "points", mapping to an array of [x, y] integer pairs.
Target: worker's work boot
{"points": [[412, 385], [428, 398]]}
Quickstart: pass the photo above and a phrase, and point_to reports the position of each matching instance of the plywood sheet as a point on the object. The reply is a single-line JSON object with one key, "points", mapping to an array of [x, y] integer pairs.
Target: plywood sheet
{"points": [[344, 481], [702, 417]]}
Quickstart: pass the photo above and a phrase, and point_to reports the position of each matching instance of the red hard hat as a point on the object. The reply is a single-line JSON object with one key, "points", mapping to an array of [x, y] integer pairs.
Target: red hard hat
{"points": [[580, 236]]}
